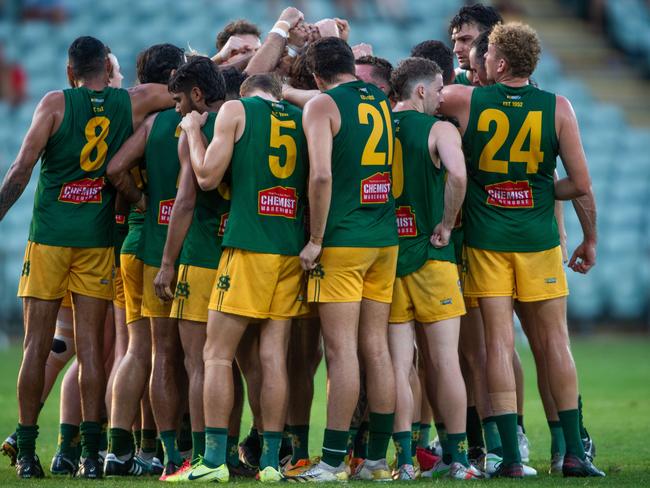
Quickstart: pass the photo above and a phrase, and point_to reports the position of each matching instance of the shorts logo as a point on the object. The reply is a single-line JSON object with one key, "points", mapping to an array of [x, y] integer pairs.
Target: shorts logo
{"points": [[510, 194], [375, 188], [550, 281], [446, 301], [120, 219], [406, 222], [318, 272], [86, 190], [182, 289], [223, 283], [222, 224], [165, 211], [278, 201], [26, 266]]}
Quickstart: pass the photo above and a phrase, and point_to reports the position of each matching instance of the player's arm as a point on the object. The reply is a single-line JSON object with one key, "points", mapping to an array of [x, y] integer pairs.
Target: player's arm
{"points": [[577, 185], [561, 228], [445, 144], [268, 55], [179, 222], [211, 163], [49, 110], [126, 158], [148, 98], [298, 97], [320, 121], [456, 100]]}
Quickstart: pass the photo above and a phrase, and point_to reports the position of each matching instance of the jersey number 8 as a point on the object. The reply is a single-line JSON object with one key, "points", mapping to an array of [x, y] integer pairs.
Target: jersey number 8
{"points": [[95, 142]]}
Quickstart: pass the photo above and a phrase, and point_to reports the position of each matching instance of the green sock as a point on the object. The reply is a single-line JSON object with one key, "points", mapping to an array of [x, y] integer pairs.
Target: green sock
{"points": [[520, 423], [121, 442], [137, 438], [474, 430], [402, 442], [232, 451], [148, 442], [457, 446], [492, 437], [351, 439], [185, 434], [583, 431], [300, 442], [272, 442], [90, 434], [67, 445], [507, 425], [168, 439], [334, 446], [442, 438], [103, 435], [558, 445], [26, 435], [571, 428], [361, 441], [286, 440], [216, 441], [198, 445], [415, 436], [381, 429], [160, 450], [425, 434]]}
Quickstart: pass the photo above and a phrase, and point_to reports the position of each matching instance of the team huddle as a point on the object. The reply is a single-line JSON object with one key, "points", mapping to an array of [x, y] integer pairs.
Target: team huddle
{"points": [[233, 219]]}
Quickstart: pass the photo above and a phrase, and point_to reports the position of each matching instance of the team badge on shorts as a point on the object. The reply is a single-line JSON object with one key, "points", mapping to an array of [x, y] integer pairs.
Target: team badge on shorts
{"points": [[223, 283]]}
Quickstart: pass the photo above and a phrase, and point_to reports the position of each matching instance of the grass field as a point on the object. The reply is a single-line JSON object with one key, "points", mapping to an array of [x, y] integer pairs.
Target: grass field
{"points": [[614, 381]]}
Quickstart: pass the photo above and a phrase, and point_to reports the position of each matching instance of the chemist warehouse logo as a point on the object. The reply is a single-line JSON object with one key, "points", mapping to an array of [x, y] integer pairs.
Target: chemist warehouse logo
{"points": [[278, 202]]}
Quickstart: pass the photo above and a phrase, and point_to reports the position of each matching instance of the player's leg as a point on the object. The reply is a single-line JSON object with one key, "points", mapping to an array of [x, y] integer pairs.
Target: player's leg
{"points": [[248, 359], [163, 386], [274, 342], [66, 458], [305, 354], [401, 341], [518, 369], [119, 350]]}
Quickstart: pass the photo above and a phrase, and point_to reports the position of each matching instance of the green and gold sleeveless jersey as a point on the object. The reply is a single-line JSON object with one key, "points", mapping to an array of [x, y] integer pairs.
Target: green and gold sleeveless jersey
{"points": [[419, 191], [462, 78], [362, 209], [269, 180], [161, 157], [74, 203], [511, 149], [202, 245]]}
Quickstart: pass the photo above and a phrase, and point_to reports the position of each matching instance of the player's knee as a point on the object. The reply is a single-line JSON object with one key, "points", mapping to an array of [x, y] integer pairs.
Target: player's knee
{"points": [[62, 348]]}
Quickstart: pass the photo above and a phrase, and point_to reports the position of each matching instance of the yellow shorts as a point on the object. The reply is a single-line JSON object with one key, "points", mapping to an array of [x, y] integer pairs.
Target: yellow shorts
{"points": [[131, 271], [348, 274], [118, 286], [470, 302], [152, 306], [263, 286], [67, 300], [428, 295], [526, 276], [193, 290], [50, 271]]}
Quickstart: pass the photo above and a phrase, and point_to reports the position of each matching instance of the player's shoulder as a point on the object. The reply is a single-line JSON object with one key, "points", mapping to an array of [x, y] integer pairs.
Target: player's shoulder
{"points": [[52, 100], [320, 104]]}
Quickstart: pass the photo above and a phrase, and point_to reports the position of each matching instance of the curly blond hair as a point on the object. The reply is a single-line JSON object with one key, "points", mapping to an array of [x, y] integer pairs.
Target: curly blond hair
{"points": [[519, 44]]}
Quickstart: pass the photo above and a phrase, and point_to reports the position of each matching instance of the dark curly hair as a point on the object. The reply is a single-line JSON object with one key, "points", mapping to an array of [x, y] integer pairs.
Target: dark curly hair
{"points": [[439, 53], [156, 63], [330, 57], [485, 17], [234, 28], [202, 73]]}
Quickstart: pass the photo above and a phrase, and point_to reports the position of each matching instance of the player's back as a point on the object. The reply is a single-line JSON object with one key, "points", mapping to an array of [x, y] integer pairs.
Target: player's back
{"points": [[269, 180], [74, 205], [362, 207], [511, 148]]}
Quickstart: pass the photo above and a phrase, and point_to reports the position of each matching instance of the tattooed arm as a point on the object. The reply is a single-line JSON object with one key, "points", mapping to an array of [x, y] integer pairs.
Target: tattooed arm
{"points": [[47, 115]]}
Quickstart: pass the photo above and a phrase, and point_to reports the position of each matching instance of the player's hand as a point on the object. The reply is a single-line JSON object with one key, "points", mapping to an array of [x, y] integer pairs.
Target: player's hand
{"points": [[309, 255], [344, 28], [292, 16], [313, 33], [328, 28], [361, 50], [564, 249], [194, 121], [141, 205], [163, 283], [584, 257], [441, 235], [298, 36]]}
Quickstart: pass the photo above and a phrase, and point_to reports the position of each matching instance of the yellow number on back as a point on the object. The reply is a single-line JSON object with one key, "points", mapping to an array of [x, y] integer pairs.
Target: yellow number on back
{"points": [[531, 128], [370, 156], [398, 169], [278, 140], [95, 142]]}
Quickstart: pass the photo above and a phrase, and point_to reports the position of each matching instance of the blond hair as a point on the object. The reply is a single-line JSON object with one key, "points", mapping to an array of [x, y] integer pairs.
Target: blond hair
{"points": [[519, 44]]}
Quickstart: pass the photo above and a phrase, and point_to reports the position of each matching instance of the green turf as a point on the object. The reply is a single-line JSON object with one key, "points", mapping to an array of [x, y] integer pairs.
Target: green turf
{"points": [[615, 384]]}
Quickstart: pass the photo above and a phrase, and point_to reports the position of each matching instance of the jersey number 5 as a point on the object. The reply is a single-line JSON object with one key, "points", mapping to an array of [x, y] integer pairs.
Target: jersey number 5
{"points": [[531, 129], [278, 140], [97, 142], [370, 154]]}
